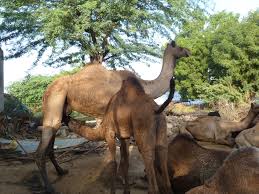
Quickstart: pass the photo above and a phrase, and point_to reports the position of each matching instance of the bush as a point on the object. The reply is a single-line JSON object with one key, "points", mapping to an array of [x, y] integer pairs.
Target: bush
{"points": [[30, 90]]}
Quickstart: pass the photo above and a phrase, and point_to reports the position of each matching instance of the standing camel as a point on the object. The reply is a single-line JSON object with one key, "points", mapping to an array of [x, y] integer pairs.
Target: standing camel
{"points": [[89, 92], [131, 112], [218, 130], [239, 174]]}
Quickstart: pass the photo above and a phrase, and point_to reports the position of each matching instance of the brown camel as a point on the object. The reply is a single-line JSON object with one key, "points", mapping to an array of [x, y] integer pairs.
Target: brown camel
{"points": [[131, 112], [189, 164], [215, 129], [89, 92], [248, 137], [239, 174]]}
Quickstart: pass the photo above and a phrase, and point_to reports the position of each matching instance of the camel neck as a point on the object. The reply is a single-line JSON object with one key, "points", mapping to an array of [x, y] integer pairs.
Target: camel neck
{"points": [[244, 123], [241, 125], [156, 88], [89, 133]]}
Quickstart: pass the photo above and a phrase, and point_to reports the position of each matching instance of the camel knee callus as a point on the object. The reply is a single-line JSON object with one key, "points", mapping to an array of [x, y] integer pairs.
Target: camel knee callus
{"points": [[239, 174], [218, 130]]}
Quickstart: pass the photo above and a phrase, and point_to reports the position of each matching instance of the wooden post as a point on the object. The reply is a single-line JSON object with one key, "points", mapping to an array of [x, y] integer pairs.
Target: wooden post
{"points": [[1, 80]]}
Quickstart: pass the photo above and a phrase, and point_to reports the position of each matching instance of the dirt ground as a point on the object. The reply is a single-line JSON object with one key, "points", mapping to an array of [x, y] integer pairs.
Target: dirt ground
{"points": [[89, 174]]}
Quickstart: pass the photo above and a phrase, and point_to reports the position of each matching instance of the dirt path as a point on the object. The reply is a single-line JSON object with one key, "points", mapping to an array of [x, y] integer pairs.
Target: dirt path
{"points": [[88, 174]]}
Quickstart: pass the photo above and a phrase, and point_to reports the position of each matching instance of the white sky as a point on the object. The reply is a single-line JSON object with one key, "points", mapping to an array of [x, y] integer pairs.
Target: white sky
{"points": [[16, 69]]}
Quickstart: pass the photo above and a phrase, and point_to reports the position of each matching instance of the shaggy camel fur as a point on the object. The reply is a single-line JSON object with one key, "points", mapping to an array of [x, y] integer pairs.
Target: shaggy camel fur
{"points": [[89, 92], [215, 129], [239, 174], [189, 164], [131, 112], [248, 137]]}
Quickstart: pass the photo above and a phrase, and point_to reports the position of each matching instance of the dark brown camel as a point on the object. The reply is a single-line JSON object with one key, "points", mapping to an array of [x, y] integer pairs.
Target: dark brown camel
{"points": [[248, 137], [189, 164], [89, 92], [239, 174], [131, 112], [215, 129]]}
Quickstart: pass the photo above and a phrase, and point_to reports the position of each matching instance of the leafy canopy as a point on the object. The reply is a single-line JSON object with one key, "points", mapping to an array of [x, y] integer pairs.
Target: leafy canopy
{"points": [[72, 31], [224, 62]]}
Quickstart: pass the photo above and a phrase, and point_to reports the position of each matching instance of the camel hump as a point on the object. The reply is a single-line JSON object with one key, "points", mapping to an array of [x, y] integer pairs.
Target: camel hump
{"points": [[131, 87], [183, 142]]}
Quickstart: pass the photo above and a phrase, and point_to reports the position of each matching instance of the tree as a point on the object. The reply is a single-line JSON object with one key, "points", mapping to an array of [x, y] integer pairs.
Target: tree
{"points": [[114, 31], [224, 62]]}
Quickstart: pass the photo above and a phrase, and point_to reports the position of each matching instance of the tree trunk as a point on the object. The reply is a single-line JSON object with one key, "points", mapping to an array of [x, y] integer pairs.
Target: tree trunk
{"points": [[96, 59], [1, 80]]}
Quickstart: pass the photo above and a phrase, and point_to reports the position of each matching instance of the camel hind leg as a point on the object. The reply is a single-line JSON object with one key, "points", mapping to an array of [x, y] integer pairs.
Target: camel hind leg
{"points": [[67, 110], [53, 105], [161, 157], [146, 144], [124, 163], [51, 155], [40, 157]]}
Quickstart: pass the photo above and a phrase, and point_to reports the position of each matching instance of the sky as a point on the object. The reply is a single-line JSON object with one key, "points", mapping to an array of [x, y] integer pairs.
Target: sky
{"points": [[16, 69]]}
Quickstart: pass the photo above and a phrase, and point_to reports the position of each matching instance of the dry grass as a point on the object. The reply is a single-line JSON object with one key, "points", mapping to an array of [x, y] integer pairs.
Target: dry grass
{"points": [[231, 111], [180, 108]]}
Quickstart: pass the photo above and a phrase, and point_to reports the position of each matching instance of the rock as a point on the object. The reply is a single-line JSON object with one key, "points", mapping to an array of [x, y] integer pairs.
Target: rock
{"points": [[72, 135], [63, 131]]}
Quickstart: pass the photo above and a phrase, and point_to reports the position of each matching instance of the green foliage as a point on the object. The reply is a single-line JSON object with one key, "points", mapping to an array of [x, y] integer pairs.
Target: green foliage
{"points": [[224, 62], [30, 90], [116, 31]]}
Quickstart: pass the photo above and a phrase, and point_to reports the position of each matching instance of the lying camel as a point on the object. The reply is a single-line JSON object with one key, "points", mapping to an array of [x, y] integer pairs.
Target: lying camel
{"points": [[189, 164], [89, 92], [131, 112], [215, 129], [248, 137], [239, 174]]}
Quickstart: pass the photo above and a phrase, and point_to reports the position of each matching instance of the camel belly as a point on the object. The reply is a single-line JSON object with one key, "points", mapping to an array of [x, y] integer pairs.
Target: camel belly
{"points": [[91, 101]]}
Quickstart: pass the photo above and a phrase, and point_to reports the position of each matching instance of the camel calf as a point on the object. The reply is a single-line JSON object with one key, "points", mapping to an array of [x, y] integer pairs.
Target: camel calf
{"points": [[239, 174], [218, 130], [189, 164], [131, 112]]}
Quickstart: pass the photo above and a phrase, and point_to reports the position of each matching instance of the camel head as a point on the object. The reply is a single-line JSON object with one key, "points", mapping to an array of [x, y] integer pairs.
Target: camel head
{"points": [[176, 51]]}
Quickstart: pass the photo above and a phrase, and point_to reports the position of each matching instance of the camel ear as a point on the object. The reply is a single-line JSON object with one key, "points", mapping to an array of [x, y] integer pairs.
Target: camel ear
{"points": [[173, 44]]}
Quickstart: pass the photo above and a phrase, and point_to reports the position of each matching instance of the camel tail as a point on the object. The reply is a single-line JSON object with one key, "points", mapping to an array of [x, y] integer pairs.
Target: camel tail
{"points": [[170, 97]]}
